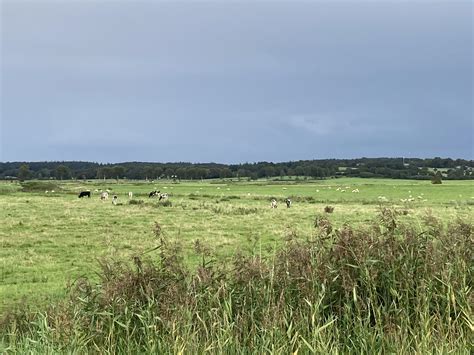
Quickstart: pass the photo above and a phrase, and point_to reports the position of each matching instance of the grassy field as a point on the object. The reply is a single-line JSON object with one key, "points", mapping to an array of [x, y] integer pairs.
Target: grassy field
{"points": [[50, 239], [214, 269]]}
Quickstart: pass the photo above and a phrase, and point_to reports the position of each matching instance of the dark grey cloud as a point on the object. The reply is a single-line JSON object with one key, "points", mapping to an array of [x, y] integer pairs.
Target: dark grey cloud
{"points": [[235, 81]]}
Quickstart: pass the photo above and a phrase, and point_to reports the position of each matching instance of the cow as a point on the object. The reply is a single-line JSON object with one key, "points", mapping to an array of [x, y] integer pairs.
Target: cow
{"points": [[273, 204], [163, 196], [153, 194], [104, 196], [288, 203], [84, 193]]}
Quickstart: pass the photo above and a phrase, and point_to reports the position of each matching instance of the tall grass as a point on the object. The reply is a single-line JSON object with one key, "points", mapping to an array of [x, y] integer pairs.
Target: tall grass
{"points": [[386, 287]]}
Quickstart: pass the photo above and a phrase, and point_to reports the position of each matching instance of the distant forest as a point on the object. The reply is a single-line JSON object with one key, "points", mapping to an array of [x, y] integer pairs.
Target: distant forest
{"points": [[395, 168]]}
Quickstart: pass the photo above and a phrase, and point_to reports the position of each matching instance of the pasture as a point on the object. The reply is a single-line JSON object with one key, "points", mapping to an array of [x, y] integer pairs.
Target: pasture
{"points": [[214, 269], [50, 239]]}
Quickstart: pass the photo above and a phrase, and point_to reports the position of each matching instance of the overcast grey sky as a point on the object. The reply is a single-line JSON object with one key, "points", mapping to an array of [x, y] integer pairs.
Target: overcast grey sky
{"points": [[236, 81]]}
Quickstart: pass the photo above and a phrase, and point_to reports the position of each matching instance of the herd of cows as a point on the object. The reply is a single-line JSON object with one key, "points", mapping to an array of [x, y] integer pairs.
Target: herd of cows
{"points": [[104, 195]]}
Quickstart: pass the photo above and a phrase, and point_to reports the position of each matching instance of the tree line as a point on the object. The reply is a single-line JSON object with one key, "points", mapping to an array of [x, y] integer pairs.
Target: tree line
{"points": [[395, 168]]}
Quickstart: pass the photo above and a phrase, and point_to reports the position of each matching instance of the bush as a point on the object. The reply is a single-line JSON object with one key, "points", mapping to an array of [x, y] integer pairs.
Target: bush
{"points": [[437, 178], [329, 209]]}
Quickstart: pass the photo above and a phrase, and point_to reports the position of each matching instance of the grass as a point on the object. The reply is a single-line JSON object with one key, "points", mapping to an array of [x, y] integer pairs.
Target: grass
{"points": [[51, 240], [389, 286]]}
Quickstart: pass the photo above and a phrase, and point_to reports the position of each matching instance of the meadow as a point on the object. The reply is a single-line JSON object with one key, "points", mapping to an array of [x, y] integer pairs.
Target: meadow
{"points": [[51, 240]]}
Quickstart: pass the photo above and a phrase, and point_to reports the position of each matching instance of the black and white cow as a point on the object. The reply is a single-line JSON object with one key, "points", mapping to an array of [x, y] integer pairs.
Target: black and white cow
{"points": [[154, 194], [163, 196], [288, 203], [84, 194]]}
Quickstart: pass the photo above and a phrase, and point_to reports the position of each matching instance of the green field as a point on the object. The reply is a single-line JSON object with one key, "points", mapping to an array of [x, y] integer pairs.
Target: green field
{"points": [[49, 239], [214, 269]]}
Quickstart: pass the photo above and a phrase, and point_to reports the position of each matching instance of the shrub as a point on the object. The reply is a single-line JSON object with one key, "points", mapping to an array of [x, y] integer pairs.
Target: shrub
{"points": [[437, 178], [329, 209]]}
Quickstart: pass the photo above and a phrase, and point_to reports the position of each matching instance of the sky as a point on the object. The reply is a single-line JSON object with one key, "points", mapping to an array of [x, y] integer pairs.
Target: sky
{"points": [[235, 81]]}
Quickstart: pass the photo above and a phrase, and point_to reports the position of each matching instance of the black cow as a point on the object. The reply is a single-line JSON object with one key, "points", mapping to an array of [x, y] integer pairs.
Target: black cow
{"points": [[84, 194], [154, 194]]}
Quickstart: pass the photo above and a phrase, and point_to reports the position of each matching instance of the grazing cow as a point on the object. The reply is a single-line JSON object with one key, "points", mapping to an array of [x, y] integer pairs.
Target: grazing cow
{"points": [[163, 196], [104, 196], [130, 194], [288, 203], [153, 194], [114, 200], [273, 204], [84, 193]]}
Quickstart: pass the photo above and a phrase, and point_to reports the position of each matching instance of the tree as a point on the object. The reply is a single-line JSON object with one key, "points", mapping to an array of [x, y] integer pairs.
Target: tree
{"points": [[118, 171], [437, 178], [44, 173], [24, 172], [62, 172], [225, 173]]}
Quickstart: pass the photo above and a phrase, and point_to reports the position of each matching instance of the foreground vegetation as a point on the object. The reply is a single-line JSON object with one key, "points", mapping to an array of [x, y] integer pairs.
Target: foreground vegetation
{"points": [[385, 287]]}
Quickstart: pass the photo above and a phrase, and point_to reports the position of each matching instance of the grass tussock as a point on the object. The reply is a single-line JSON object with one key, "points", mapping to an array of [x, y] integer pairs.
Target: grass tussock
{"points": [[136, 202], [386, 287], [329, 209]]}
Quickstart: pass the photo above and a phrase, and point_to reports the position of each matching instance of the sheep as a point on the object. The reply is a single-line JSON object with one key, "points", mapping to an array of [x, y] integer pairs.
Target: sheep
{"points": [[114, 200], [104, 196], [273, 204], [130, 195]]}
